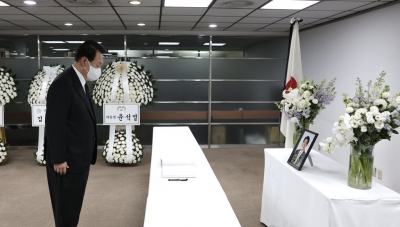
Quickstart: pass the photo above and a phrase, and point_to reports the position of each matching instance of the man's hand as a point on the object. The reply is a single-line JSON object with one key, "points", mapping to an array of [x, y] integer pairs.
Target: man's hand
{"points": [[61, 168]]}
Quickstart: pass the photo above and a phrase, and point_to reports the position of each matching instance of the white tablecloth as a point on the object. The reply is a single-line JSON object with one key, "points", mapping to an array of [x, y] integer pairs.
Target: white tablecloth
{"points": [[199, 201], [318, 196]]}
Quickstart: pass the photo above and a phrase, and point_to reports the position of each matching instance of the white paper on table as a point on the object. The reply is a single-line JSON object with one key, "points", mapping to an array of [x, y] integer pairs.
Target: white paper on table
{"points": [[178, 165]]}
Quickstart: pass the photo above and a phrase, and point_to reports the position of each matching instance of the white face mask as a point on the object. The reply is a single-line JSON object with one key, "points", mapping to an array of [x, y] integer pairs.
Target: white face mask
{"points": [[93, 73]]}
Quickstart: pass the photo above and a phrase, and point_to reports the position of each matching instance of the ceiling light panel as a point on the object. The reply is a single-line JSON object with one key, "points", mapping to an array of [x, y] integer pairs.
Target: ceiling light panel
{"points": [[187, 3], [288, 4], [3, 4]]}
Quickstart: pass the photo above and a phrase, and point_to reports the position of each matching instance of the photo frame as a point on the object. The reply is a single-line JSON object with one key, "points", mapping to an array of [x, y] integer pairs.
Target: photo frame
{"points": [[302, 149]]}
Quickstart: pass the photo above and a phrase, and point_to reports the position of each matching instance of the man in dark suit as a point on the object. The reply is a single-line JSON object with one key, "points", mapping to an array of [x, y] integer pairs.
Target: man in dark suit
{"points": [[71, 138], [299, 154]]}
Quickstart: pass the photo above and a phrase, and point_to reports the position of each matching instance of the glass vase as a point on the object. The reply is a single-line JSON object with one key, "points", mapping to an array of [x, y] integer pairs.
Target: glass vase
{"points": [[298, 131], [360, 168]]}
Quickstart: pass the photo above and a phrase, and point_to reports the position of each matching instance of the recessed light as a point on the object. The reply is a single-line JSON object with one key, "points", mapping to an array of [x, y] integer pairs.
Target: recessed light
{"points": [[30, 2], [169, 43], [212, 25], [51, 47], [215, 44], [3, 4], [72, 42], [186, 3], [54, 52], [144, 43], [61, 49], [68, 24], [288, 4], [54, 42], [141, 24], [135, 2]]}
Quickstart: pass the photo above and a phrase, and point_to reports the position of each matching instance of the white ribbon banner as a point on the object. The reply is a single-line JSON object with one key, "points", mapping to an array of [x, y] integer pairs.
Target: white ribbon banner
{"points": [[51, 74], [125, 83]]}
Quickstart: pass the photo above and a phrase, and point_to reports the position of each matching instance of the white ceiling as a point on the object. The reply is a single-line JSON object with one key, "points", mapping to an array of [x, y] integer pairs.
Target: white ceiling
{"points": [[119, 15]]}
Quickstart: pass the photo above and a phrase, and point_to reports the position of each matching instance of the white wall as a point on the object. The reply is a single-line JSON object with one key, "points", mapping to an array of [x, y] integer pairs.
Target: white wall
{"points": [[360, 46]]}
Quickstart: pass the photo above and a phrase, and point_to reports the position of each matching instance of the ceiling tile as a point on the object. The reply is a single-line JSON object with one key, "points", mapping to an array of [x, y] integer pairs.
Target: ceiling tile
{"points": [[76, 28], [30, 23], [18, 17], [42, 28], [372, 5], [134, 24], [176, 28], [228, 12], [315, 14], [99, 17], [336, 5], [240, 29], [138, 18], [272, 13], [39, 3], [45, 10], [248, 26], [260, 20], [184, 11], [256, 4], [142, 28], [273, 30], [65, 18], [138, 10], [342, 14], [220, 25], [11, 28], [286, 26], [210, 19], [91, 10], [180, 18], [104, 23], [10, 10], [144, 3], [208, 29], [177, 24], [99, 3], [109, 28], [5, 23], [62, 23]]}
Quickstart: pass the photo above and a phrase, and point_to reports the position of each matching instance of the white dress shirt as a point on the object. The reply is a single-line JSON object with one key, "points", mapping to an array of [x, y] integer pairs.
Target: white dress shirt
{"points": [[81, 78]]}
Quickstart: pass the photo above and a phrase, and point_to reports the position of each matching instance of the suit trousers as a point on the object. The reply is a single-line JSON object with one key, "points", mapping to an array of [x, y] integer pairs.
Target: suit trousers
{"points": [[66, 194]]}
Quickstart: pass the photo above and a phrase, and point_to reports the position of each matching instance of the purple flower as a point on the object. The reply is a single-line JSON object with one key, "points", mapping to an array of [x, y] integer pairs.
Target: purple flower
{"points": [[388, 127], [397, 122]]}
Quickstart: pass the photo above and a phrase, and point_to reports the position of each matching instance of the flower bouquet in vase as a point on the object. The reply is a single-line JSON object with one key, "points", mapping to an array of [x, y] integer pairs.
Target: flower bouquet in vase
{"points": [[302, 104], [371, 116]]}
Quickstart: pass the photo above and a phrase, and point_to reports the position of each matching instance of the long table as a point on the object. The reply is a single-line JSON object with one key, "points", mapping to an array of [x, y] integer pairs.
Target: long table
{"points": [[318, 196], [199, 201]]}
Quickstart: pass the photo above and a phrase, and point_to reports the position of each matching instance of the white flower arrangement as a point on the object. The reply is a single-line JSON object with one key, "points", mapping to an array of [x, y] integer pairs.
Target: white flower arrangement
{"points": [[36, 86], [119, 149], [8, 90], [140, 84], [3, 151], [42, 161], [370, 117]]}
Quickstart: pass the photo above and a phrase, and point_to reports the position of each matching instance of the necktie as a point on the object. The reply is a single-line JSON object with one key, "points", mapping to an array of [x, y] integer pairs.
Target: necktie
{"points": [[88, 96]]}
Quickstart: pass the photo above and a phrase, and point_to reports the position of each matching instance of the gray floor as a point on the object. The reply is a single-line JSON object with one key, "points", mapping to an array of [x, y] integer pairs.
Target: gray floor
{"points": [[116, 195]]}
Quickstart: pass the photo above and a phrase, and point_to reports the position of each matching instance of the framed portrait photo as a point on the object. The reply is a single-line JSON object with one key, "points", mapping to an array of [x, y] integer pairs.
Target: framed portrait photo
{"points": [[302, 149]]}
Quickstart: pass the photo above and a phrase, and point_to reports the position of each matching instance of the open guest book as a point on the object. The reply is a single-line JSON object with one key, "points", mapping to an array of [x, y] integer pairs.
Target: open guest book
{"points": [[178, 165]]}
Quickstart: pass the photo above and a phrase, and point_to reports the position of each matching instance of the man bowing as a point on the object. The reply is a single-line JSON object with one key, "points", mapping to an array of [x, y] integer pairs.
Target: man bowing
{"points": [[70, 137]]}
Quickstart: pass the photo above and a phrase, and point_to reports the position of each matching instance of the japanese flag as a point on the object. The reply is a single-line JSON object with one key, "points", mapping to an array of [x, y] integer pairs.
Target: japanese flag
{"points": [[293, 76]]}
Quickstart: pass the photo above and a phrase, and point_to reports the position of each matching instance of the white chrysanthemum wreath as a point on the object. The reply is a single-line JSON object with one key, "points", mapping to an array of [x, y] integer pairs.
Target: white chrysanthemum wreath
{"points": [[42, 78], [3, 152], [124, 82], [119, 149], [8, 90], [140, 84], [37, 95]]}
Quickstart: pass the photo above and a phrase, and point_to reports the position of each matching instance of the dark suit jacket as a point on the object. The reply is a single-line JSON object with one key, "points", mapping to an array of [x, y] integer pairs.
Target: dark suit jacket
{"points": [[70, 124]]}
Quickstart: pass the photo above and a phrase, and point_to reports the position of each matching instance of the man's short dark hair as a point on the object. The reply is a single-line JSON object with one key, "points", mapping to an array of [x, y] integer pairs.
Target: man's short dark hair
{"points": [[88, 49], [307, 138]]}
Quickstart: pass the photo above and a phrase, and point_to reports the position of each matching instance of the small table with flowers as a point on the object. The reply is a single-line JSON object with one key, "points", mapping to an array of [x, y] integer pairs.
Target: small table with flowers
{"points": [[319, 196]]}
